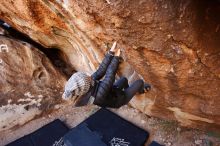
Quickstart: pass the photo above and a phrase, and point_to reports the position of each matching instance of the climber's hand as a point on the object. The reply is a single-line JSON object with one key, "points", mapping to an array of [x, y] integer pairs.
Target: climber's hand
{"points": [[118, 52], [113, 48]]}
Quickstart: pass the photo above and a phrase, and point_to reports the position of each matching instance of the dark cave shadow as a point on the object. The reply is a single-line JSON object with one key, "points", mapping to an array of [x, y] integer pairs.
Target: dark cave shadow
{"points": [[55, 55], [207, 24]]}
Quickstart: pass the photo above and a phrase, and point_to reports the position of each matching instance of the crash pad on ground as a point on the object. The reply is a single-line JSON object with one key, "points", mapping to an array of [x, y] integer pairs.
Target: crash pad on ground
{"points": [[45, 136]]}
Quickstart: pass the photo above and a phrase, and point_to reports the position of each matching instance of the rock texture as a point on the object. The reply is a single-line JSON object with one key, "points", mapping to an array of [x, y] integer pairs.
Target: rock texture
{"points": [[29, 83], [174, 45]]}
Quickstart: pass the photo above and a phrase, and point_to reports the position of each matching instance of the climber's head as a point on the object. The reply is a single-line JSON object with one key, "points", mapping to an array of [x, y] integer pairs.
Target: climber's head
{"points": [[78, 85]]}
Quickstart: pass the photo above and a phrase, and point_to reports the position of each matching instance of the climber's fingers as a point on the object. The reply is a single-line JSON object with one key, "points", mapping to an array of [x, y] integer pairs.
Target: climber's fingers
{"points": [[118, 52], [113, 48]]}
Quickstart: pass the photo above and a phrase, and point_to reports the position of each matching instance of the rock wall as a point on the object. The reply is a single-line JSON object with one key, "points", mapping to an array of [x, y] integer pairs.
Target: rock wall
{"points": [[174, 45], [30, 84]]}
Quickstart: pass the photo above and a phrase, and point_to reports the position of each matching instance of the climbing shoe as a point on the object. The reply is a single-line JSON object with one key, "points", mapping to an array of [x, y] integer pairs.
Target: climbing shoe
{"points": [[147, 87]]}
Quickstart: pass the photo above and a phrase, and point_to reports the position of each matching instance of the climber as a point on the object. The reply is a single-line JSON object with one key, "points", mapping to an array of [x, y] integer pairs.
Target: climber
{"points": [[85, 89]]}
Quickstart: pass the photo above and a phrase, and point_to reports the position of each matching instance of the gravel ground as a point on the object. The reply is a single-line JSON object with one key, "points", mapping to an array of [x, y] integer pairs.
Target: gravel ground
{"points": [[163, 131]]}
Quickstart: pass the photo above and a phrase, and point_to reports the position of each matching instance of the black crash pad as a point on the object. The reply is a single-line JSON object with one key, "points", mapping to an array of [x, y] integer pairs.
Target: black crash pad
{"points": [[114, 130], [45, 136], [82, 136], [104, 128]]}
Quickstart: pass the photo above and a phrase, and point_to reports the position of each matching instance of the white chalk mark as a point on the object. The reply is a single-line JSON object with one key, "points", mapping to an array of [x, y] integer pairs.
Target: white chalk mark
{"points": [[4, 48]]}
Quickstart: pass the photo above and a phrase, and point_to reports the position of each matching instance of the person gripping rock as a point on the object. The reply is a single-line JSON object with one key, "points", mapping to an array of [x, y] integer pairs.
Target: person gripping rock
{"points": [[85, 89]]}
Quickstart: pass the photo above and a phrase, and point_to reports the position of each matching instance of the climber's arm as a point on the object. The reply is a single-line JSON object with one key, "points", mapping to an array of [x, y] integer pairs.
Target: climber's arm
{"points": [[103, 66], [105, 86]]}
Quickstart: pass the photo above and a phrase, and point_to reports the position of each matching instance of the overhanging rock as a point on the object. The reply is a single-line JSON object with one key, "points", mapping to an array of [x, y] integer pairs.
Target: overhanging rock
{"points": [[174, 45]]}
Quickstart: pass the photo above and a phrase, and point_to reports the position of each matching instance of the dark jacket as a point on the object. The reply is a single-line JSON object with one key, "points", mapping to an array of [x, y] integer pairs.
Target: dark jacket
{"points": [[102, 91]]}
